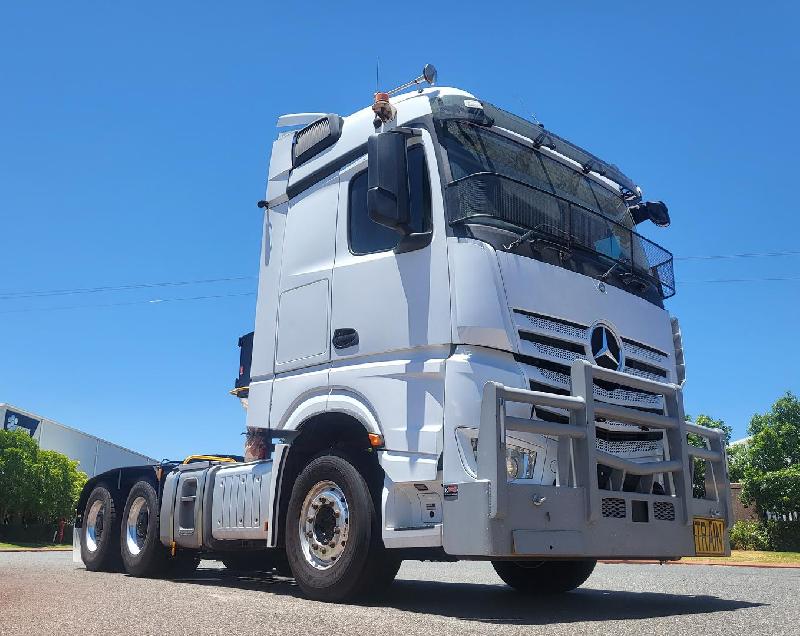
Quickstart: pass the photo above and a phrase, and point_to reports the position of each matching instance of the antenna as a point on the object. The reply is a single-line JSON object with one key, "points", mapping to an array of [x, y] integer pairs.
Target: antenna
{"points": [[377, 73], [525, 110]]}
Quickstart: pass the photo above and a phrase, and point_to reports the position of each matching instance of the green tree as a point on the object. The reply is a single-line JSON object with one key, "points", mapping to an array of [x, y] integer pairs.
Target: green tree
{"points": [[18, 453], [36, 485], [738, 461], [699, 472], [772, 471]]}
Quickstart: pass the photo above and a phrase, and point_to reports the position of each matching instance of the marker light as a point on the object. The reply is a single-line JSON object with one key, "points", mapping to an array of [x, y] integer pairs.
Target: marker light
{"points": [[383, 109]]}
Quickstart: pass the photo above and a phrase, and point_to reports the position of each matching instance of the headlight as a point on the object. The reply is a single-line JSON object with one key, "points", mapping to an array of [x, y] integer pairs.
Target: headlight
{"points": [[520, 454], [519, 462]]}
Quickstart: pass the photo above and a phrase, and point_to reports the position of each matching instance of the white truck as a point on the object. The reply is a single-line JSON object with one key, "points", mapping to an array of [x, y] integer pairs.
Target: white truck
{"points": [[460, 352]]}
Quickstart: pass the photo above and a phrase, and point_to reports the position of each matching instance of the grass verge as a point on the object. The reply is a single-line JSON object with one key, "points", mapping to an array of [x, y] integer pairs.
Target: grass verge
{"points": [[37, 545], [751, 556]]}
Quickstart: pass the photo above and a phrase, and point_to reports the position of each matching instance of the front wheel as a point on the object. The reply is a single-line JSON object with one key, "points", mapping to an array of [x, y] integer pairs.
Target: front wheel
{"points": [[544, 577], [333, 535]]}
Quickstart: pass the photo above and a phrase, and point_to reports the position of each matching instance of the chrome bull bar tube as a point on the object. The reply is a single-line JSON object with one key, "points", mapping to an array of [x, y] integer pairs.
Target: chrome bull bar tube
{"points": [[578, 456]]}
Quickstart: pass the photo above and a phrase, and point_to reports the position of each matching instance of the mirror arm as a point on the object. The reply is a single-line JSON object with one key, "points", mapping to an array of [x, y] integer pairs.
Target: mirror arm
{"points": [[406, 132], [414, 241]]}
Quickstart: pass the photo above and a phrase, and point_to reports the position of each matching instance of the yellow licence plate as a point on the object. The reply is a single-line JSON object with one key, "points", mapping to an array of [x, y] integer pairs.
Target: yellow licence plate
{"points": [[709, 537]]}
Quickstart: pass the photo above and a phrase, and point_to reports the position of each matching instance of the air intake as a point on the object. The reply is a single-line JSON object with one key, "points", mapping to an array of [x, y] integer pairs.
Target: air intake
{"points": [[314, 138]]}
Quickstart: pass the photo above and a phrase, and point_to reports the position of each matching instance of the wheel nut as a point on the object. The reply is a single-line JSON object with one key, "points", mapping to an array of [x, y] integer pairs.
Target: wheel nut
{"points": [[310, 520], [336, 530], [332, 544], [315, 506], [309, 534], [323, 550], [336, 513]]}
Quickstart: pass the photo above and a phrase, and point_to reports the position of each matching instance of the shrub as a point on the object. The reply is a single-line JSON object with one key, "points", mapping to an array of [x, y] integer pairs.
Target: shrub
{"points": [[749, 535], [783, 536], [777, 491]]}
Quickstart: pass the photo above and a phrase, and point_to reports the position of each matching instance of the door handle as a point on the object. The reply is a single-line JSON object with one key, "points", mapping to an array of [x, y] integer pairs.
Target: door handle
{"points": [[344, 338]]}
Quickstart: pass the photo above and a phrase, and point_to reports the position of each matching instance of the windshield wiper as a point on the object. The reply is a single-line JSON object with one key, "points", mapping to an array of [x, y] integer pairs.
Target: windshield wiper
{"points": [[522, 238], [629, 278], [554, 237]]}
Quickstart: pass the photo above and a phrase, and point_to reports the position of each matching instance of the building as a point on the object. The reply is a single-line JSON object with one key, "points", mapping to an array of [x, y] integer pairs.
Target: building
{"points": [[94, 454]]}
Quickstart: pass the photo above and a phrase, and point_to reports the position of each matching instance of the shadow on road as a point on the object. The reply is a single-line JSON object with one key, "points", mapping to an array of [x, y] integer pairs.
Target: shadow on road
{"points": [[497, 604]]}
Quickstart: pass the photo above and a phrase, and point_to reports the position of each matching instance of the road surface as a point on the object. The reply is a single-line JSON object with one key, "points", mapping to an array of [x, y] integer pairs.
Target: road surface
{"points": [[45, 593]]}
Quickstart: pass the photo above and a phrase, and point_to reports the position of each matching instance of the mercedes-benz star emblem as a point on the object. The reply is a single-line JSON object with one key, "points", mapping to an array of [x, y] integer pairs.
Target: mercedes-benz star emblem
{"points": [[606, 348]]}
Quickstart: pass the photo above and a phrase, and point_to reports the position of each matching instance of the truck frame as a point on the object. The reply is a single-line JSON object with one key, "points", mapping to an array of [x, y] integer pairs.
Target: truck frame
{"points": [[460, 352]]}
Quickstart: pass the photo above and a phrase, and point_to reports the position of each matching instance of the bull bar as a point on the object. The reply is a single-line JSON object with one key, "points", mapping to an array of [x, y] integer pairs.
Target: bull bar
{"points": [[573, 521]]}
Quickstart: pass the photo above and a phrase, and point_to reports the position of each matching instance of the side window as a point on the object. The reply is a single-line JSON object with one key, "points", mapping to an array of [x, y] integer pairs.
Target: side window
{"points": [[368, 237]]}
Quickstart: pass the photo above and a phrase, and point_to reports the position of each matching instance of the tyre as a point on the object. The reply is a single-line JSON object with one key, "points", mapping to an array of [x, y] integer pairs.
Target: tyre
{"points": [[100, 532], [544, 577], [142, 552], [333, 536]]}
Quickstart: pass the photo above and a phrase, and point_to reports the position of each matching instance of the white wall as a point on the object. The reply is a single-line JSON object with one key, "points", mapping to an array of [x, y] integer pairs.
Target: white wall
{"points": [[94, 454]]}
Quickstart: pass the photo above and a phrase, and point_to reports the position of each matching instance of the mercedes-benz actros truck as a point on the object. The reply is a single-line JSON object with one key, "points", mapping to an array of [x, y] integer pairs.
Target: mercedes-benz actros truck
{"points": [[460, 352]]}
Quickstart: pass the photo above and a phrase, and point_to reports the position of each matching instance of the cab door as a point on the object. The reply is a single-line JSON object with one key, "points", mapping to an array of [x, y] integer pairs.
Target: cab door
{"points": [[302, 351], [391, 309]]}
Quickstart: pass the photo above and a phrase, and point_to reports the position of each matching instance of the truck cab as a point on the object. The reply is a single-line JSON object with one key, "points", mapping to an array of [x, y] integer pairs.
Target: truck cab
{"points": [[461, 351]]}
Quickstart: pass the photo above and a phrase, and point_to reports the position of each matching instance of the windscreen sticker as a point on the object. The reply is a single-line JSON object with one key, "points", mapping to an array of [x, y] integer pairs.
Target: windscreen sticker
{"points": [[473, 103]]}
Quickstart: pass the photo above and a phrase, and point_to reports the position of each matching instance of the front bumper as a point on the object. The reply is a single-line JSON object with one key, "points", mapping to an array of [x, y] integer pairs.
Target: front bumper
{"points": [[492, 517]]}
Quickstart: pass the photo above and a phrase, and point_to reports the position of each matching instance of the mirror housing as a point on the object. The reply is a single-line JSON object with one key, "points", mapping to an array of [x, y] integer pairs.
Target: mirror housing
{"points": [[387, 179], [655, 211]]}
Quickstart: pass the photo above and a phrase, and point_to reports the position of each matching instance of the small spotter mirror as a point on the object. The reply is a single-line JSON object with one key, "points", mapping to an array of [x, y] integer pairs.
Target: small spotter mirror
{"points": [[429, 74]]}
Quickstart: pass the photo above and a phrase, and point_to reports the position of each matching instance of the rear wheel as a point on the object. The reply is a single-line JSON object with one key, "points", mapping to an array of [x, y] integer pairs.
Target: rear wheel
{"points": [[333, 536], [544, 577], [100, 532], [142, 552]]}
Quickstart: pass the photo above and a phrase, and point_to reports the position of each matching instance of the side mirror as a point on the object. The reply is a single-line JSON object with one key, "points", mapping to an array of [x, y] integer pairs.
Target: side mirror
{"points": [[387, 193], [655, 211]]}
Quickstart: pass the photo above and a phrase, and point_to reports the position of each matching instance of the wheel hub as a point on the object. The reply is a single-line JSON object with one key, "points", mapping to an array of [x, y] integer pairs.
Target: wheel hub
{"points": [[324, 525], [136, 525], [94, 526]]}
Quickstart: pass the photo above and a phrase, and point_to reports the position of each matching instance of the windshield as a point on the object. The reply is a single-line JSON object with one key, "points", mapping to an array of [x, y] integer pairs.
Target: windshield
{"points": [[497, 178]]}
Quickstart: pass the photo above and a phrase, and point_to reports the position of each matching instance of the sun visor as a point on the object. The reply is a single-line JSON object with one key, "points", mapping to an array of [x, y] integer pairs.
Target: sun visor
{"points": [[482, 113]]}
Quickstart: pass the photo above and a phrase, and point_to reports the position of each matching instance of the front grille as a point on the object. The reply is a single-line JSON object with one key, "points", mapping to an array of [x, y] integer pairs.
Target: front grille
{"points": [[664, 511], [549, 345], [613, 507], [555, 375], [638, 447]]}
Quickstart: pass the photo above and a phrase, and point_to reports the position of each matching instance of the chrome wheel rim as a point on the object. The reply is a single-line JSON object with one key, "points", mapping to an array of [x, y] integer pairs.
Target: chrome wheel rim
{"points": [[324, 525], [94, 525], [136, 525]]}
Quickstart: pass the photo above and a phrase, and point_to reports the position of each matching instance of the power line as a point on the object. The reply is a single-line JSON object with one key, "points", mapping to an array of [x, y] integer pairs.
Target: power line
{"points": [[113, 288], [152, 301], [742, 280], [710, 257]]}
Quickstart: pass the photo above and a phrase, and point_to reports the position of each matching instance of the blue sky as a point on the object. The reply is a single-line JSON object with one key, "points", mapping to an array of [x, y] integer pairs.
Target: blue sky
{"points": [[134, 141]]}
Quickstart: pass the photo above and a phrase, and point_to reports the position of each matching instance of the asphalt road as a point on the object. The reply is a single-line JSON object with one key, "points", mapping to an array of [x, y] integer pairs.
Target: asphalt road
{"points": [[45, 593]]}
